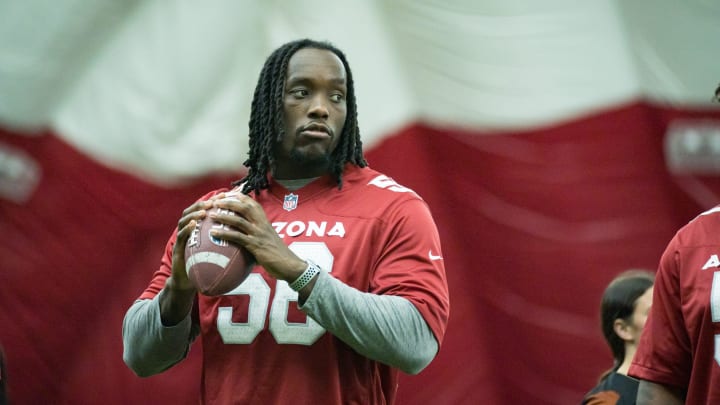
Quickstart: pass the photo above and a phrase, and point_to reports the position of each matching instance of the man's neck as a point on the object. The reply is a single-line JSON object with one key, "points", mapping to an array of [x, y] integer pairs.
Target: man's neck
{"points": [[295, 184]]}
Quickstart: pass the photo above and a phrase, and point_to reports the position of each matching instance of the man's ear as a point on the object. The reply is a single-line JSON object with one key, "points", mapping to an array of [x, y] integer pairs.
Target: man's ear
{"points": [[622, 329]]}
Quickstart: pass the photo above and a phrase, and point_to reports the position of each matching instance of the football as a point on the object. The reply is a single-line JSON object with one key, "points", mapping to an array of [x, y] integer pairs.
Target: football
{"points": [[214, 266]]}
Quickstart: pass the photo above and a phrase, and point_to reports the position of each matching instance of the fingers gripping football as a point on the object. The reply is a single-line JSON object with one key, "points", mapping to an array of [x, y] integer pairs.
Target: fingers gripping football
{"points": [[248, 226], [187, 223], [213, 266]]}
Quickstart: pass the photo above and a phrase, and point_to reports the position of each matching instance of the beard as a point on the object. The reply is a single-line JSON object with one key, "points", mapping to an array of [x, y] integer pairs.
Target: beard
{"points": [[310, 160]]}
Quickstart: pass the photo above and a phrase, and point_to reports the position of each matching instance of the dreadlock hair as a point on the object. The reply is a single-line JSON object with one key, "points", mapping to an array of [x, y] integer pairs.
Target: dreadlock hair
{"points": [[618, 302], [267, 125]]}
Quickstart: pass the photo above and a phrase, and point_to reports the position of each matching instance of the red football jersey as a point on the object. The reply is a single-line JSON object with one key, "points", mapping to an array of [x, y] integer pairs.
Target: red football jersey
{"points": [[374, 235], [680, 344]]}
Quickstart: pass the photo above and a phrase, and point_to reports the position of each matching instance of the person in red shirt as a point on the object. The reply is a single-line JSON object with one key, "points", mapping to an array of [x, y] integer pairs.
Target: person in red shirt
{"points": [[678, 359], [350, 286]]}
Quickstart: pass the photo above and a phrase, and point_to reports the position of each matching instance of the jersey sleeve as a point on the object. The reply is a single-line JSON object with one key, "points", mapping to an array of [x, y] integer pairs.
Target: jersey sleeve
{"points": [[161, 274], [411, 264], [664, 352]]}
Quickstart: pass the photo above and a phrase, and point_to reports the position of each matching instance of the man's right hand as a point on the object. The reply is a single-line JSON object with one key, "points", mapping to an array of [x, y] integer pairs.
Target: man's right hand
{"points": [[190, 217], [179, 293]]}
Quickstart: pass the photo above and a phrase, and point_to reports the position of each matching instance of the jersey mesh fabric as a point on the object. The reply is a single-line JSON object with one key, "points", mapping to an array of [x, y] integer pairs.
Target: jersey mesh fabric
{"points": [[678, 346], [373, 235]]}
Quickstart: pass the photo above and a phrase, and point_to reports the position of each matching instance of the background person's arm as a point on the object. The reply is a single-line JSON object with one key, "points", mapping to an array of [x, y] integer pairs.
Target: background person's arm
{"points": [[650, 393]]}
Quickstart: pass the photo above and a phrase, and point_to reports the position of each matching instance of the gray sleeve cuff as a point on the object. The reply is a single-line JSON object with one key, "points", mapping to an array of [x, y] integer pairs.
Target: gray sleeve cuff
{"points": [[149, 347]]}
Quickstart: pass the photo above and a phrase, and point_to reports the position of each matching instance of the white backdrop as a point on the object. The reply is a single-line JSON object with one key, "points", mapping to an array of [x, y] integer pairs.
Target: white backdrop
{"points": [[153, 86]]}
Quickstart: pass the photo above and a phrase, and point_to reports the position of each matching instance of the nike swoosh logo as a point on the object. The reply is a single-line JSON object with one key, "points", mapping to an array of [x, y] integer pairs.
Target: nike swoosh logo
{"points": [[433, 257]]}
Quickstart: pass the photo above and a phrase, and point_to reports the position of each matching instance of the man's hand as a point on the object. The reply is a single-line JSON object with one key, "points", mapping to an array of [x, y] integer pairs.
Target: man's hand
{"points": [[250, 228], [190, 217], [177, 300]]}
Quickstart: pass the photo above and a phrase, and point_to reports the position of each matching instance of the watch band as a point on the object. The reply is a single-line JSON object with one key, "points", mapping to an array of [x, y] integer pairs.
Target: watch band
{"points": [[307, 275]]}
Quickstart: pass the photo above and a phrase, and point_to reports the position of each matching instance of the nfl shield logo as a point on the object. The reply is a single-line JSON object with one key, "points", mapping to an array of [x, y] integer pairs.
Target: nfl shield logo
{"points": [[290, 202]]}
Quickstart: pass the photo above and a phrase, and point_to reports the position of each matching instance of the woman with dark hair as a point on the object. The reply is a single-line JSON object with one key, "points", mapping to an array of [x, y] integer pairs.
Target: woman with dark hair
{"points": [[623, 311]]}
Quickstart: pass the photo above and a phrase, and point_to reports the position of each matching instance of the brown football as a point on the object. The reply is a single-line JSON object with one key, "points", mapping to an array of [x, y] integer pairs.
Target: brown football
{"points": [[214, 266]]}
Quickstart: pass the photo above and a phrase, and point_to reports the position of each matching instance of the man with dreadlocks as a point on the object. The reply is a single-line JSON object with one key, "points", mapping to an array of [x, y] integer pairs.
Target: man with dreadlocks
{"points": [[350, 285]]}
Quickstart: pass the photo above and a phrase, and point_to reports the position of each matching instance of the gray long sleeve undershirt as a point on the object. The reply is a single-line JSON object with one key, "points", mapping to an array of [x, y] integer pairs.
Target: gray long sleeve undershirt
{"points": [[385, 328]]}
